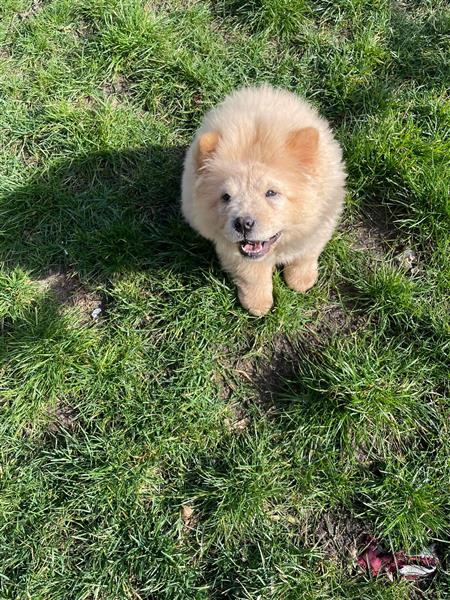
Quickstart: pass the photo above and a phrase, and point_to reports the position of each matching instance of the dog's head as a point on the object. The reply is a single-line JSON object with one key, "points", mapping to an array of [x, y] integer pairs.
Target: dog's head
{"points": [[254, 194]]}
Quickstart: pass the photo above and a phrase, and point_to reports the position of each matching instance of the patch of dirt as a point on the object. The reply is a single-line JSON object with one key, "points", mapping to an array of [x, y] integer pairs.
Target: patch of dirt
{"points": [[266, 377], [86, 102], [118, 88], [189, 518], [86, 301], [333, 318], [68, 291], [83, 31], [62, 417], [381, 243], [155, 6], [35, 7], [338, 535], [238, 420], [197, 100], [61, 285], [363, 455], [29, 160], [370, 238]]}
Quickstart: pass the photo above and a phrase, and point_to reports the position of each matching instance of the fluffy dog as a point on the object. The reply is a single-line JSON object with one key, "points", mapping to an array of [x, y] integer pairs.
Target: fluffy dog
{"points": [[264, 180]]}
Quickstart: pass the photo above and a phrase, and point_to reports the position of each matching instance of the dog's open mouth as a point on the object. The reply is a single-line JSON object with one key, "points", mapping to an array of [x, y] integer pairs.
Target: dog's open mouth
{"points": [[257, 249]]}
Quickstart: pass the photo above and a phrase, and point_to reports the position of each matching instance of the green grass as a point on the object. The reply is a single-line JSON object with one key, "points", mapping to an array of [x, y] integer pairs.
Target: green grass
{"points": [[287, 436]]}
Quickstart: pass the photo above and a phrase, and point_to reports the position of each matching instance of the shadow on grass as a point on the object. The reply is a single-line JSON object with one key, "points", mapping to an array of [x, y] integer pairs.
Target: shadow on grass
{"points": [[79, 224], [101, 214]]}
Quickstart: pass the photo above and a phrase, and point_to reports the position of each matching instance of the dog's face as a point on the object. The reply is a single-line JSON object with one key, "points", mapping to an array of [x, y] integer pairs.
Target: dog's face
{"points": [[254, 201]]}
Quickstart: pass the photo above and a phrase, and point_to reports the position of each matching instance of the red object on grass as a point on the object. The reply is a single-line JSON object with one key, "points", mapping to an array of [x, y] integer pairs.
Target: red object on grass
{"points": [[376, 560]]}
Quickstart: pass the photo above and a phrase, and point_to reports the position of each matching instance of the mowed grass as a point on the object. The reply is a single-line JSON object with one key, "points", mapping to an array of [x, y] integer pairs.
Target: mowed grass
{"points": [[176, 447]]}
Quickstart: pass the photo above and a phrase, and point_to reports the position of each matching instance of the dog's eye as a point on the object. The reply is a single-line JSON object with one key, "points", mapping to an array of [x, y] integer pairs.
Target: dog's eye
{"points": [[270, 193], [226, 197]]}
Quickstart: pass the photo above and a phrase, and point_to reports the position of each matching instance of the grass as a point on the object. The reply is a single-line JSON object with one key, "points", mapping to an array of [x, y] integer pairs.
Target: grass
{"points": [[176, 447]]}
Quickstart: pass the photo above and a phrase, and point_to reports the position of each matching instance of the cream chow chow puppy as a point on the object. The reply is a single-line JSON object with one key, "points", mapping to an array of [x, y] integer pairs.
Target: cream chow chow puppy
{"points": [[264, 181]]}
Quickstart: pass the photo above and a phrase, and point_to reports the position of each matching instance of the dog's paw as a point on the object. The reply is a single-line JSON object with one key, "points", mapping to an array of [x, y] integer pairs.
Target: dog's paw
{"points": [[260, 310], [301, 278], [258, 307]]}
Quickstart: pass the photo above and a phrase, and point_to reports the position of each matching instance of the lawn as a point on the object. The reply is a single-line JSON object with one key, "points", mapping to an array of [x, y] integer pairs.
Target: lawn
{"points": [[175, 447]]}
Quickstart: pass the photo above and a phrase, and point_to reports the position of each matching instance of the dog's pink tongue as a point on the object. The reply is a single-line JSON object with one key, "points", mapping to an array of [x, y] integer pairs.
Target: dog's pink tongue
{"points": [[252, 247]]}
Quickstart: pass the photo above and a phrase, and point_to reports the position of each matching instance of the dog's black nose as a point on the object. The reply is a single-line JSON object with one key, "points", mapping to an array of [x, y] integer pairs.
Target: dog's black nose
{"points": [[244, 224]]}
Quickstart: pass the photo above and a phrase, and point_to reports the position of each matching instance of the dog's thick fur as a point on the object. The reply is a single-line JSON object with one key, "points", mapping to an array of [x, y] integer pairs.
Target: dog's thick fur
{"points": [[264, 180]]}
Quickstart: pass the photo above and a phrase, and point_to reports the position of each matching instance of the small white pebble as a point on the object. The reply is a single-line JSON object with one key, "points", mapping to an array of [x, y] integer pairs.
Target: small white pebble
{"points": [[96, 313]]}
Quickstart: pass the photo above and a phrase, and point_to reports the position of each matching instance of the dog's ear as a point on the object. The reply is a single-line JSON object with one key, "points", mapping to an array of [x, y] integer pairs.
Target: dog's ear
{"points": [[304, 143], [207, 143]]}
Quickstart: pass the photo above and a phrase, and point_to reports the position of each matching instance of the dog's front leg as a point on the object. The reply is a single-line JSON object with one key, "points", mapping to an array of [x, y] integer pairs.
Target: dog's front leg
{"points": [[302, 273], [254, 283], [253, 279]]}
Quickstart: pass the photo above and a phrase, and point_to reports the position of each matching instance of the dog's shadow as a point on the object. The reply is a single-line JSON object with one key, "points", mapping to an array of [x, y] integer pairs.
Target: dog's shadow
{"points": [[101, 214]]}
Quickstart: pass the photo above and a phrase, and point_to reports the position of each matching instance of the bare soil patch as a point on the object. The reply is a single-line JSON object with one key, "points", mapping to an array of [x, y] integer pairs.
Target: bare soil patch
{"points": [[35, 7], [68, 291], [62, 417]]}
